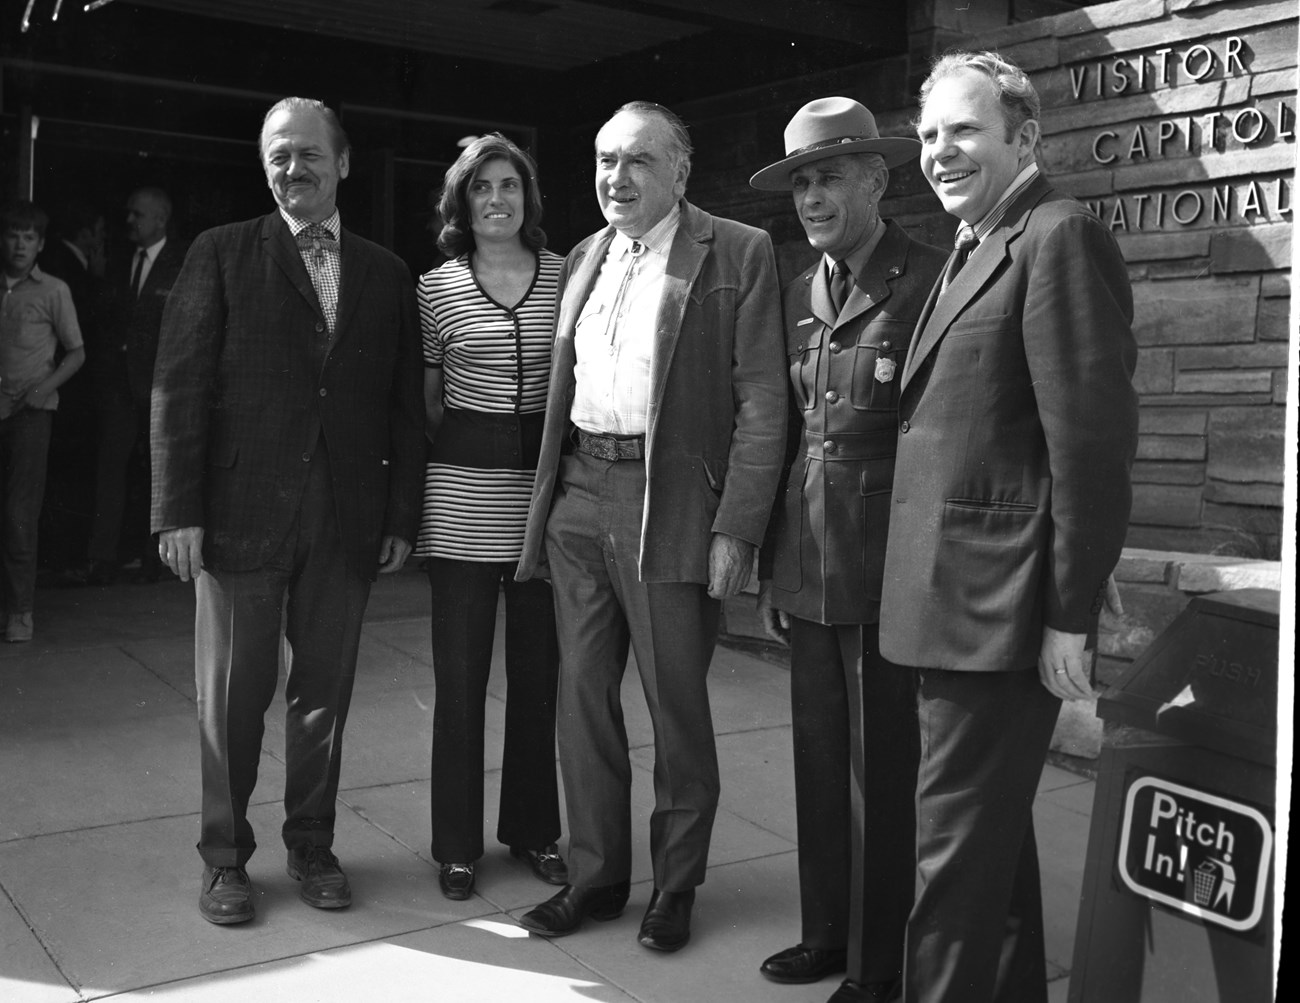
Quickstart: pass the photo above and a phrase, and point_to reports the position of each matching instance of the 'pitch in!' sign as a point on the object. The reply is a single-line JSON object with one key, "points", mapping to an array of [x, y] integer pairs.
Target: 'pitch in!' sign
{"points": [[1201, 854]]}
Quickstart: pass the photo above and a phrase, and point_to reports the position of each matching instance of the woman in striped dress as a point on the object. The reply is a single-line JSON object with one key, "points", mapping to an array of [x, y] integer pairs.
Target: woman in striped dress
{"points": [[486, 316]]}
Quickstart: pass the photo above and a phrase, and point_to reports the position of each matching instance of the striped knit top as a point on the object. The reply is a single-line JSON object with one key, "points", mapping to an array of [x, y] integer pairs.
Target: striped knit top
{"points": [[496, 365]]}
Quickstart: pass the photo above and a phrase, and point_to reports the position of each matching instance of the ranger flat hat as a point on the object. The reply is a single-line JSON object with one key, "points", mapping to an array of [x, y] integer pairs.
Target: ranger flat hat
{"points": [[831, 127]]}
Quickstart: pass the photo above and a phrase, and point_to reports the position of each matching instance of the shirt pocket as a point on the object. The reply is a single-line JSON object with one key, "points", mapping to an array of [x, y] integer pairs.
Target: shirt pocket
{"points": [[878, 366], [803, 351]]}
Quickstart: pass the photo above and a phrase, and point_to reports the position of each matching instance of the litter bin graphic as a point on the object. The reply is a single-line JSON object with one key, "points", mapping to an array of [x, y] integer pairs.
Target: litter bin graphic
{"points": [[1214, 876], [1177, 900]]}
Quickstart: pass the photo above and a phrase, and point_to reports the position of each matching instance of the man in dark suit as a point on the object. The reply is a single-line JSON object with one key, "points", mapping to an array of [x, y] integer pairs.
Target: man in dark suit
{"points": [[76, 255], [122, 361], [1018, 424], [288, 451], [848, 320], [659, 459]]}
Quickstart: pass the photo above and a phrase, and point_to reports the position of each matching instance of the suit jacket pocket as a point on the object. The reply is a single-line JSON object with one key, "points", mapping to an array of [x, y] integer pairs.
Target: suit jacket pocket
{"points": [[987, 565], [987, 520], [968, 326]]}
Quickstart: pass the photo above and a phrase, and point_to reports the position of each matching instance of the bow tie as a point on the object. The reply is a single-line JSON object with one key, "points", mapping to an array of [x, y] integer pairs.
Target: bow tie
{"points": [[313, 237], [315, 231]]}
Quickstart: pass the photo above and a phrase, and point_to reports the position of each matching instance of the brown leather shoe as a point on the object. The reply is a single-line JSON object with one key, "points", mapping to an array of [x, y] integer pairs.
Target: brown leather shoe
{"points": [[563, 912], [798, 965], [667, 922], [226, 896], [324, 885], [546, 863]]}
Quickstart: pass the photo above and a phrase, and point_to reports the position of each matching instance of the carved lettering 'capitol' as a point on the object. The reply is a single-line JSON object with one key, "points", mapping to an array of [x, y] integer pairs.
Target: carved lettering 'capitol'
{"points": [[1215, 130]]}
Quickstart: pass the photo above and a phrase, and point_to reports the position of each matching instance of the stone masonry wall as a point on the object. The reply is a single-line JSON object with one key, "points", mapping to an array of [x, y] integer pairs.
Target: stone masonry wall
{"points": [[1175, 121]]}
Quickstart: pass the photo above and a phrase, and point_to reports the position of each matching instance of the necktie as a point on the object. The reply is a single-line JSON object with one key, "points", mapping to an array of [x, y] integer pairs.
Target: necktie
{"points": [[634, 252], [313, 237], [963, 244], [138, 271], [840, 276]]}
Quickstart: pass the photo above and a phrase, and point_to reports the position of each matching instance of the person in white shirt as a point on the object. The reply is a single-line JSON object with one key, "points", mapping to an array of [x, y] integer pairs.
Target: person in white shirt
{"points": [[662, 444]]}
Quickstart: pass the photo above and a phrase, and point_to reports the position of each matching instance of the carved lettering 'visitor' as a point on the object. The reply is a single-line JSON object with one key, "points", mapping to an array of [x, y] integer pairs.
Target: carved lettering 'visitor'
{"points": [[1167, 67]]}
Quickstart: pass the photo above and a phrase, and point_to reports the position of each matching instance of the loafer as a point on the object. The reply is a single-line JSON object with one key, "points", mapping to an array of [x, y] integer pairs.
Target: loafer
{"points": [[667, 922], [324, 885], [797, 965], [867, 992], [456, 880], [563, 912], [226, 896], [546, 863]]}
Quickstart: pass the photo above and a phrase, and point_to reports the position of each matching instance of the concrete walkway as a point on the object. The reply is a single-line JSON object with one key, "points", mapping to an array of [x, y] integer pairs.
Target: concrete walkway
{"points": [[99, 788]]}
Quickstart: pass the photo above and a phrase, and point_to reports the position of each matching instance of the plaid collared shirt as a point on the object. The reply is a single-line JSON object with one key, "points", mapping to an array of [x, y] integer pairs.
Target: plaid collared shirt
{"points": [[324, 265]]}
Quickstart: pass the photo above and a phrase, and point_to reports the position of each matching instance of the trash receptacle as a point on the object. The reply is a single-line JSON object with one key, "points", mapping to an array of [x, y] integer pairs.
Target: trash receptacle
{"points": [[1177, 900]]}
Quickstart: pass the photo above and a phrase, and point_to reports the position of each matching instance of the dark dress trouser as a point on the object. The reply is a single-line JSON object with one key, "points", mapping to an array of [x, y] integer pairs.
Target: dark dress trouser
{"points": [[855, 756], [123, 422], [593, 538], [237, 646], [24, 452], [465, 596], [975, 934]]}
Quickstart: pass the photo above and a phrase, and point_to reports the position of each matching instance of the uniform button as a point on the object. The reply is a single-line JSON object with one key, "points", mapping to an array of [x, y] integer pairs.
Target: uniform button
{"points": [[832, 396], [828, 446], [319, 327], [323, 391], [906, 426], [894, 270], [834, 347], [884, 345], [306, 457], [801, 346]]}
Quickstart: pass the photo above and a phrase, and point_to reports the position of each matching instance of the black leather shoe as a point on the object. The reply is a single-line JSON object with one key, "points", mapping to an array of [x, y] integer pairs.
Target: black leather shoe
{"points": [[667, 922], [324, 885], [227, 895], [456, 880], [546, 863], [799, 964], [867, 992], [563, 912]]}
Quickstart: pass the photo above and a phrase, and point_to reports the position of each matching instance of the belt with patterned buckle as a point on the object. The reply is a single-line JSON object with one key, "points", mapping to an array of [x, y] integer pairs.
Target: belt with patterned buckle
{"points": [[609, 447]]}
